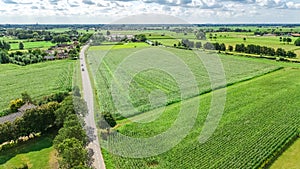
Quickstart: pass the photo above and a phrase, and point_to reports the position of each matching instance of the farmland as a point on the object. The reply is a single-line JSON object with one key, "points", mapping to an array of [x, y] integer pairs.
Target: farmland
{"points": [[32, 45], [38, 80], [235, 69], [169, 38], [254, 120]]}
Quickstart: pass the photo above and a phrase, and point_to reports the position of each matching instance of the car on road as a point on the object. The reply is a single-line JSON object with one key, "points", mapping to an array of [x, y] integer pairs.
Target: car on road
{"points": [[82, 69]]}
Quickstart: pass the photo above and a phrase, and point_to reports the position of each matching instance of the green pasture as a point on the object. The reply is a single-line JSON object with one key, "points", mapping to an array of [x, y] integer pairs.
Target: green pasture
{"points": [[32, 45], [110, 46], [37, 153], [37, 79]]}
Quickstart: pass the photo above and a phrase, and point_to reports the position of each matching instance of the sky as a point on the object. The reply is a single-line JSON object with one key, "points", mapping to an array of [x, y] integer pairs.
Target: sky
{"points": [[148, 11]]}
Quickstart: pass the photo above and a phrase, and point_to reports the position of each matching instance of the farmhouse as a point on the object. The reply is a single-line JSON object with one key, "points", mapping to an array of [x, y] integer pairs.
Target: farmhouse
{"points": [[118, 38], [12, 117], [295, 34]]}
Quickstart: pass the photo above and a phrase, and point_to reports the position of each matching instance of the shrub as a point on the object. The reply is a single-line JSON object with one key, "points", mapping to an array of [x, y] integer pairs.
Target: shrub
{"points": [[297, 42], [107, 120], [15, 105]]}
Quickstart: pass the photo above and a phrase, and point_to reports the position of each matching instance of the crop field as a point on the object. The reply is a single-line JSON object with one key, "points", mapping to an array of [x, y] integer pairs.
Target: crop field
{"points": [[37, 79], [32, 45], [143, 83], [109, 46], [37, 154], [259, 119], [229, 38]]}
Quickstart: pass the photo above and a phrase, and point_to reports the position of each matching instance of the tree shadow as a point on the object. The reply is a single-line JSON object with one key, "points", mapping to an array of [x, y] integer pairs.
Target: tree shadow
{"points": [[35, 144], [91, 134]]}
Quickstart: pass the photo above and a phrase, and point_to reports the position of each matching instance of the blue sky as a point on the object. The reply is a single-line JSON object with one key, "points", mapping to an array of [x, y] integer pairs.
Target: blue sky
{"points": [[155, 11]]}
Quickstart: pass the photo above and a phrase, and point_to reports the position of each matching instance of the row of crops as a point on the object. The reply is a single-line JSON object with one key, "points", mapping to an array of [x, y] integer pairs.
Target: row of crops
{"points": [[261, 118], [105, 63]]}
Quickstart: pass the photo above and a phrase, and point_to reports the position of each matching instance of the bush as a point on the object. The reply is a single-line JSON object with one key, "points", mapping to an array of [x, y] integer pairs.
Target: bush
{"points": [[107, 121], [297, 42], [15, 105]]}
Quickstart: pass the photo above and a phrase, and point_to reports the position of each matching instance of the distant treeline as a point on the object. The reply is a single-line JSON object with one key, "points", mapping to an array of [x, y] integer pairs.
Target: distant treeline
{"points": [[241, 48]]}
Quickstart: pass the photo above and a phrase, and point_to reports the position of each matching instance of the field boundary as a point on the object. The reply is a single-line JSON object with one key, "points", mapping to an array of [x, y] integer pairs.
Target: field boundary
{"points": [[278, 152]]}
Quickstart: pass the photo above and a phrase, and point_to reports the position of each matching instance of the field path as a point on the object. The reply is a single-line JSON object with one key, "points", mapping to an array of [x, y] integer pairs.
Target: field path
{"points": [[89, 119]]}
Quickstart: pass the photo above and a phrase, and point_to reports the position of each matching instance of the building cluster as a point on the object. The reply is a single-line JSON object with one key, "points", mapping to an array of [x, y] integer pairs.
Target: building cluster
{"points": [[60, 51]]}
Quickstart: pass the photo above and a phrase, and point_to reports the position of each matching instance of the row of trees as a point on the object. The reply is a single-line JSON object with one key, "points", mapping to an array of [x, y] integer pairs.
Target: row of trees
{"points": [[251, 49], [72, 139], [42, 35], [263, 50], [22, 58]]}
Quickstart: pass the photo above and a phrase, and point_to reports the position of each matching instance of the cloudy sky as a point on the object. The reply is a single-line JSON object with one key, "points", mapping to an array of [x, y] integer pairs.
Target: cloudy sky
{"points": [[149, 11]]}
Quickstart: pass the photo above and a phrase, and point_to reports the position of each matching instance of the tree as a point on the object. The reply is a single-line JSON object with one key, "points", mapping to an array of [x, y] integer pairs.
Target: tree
{"points": [[61, 39], [244, 39], [198, 45], [291, 54], [72, 129], [288, 40], [280, 52], [200, 35], [222, 47], [4, 57], [4, 45], [297, 42], [230, 48], [284, 40], [107, 120], [72, 153], [209, 46], [21, 46], [107, 33], [140, 38]]}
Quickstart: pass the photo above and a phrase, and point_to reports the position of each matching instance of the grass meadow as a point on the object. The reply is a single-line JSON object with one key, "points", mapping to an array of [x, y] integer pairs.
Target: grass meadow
{"points": [[32, 45], [37, 79], [37, 153]]}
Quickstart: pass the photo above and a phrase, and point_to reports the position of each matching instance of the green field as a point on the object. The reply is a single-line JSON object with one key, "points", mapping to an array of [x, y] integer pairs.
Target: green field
{"points": [[109, 46], [32, 45], [37, 153], [260, 115], [37, 79], [255, 123], [229, 38], [236, 69]]}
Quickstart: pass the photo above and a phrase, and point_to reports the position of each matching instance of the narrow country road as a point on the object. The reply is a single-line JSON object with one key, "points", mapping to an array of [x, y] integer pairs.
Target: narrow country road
{"points": [[89, 119]]}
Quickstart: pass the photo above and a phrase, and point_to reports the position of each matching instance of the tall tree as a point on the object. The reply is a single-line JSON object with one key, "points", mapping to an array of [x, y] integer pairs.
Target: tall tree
{"points": [[21, 46], [72, 153]]}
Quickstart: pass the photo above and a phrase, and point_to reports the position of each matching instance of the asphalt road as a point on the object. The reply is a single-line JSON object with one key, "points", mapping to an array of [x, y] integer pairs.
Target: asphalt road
{"points": [[89, 119]]}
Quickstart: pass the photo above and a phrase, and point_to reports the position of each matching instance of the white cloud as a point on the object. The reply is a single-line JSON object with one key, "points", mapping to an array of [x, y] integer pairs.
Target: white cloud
{"points": [[103, 11]]}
